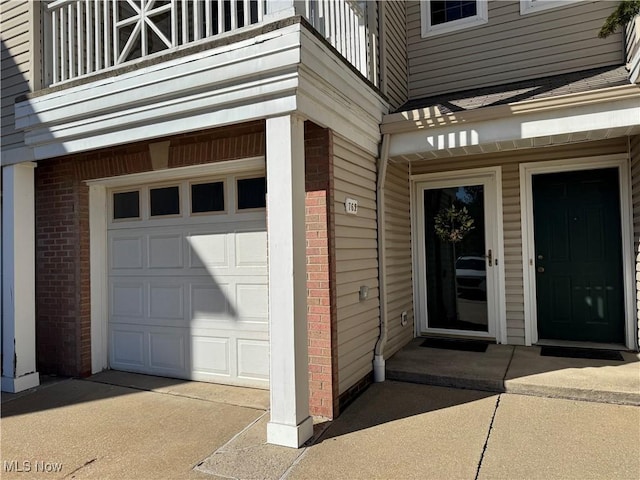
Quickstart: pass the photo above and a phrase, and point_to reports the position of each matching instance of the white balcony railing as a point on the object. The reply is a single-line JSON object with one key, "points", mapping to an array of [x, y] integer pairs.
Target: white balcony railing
{"points": [[632, 49], [87, 36]]}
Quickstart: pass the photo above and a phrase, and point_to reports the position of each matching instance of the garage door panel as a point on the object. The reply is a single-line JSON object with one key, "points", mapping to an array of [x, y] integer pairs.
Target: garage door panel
{"points": [[127, 299], [167, 350], [209, 302], [252, 301], [126, 252], [165, 251], [209, 250], [253, 359], [127, 348], [210, 354], [251, 249], [166, 301]]}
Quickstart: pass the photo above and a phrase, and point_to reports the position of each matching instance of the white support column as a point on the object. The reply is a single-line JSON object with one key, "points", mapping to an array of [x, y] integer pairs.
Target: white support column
{"points": [[18, 279], [290, 423], [283, 8]]}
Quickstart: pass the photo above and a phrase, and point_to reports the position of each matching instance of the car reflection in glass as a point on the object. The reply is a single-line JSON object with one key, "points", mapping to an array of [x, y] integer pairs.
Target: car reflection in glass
{"points": [[471, 277]]}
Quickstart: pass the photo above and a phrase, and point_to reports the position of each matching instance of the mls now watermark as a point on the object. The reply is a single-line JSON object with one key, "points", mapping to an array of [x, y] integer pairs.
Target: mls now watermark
{"points": [[25, 466]]}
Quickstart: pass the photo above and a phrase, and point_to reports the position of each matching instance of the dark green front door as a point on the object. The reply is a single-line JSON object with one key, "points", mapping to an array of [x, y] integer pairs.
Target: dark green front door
{"points": [[578, 260]]}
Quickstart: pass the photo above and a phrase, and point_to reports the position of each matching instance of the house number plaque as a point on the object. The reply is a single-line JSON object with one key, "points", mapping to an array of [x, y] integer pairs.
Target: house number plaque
{"points": [[351, 206]]}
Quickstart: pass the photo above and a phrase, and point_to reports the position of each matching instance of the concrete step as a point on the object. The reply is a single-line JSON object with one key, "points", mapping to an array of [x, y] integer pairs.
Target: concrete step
{"points": [[521, 370]]}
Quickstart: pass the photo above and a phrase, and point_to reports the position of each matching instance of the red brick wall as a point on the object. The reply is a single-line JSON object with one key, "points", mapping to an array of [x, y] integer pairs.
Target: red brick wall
{"points": [[321, 296]]}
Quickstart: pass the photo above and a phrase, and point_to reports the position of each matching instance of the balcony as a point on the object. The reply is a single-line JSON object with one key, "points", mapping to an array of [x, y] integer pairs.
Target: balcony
{"points": [[85, 37]]}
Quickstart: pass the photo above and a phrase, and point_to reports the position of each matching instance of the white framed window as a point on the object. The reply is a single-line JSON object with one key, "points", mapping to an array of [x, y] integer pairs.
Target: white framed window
{"points": [[445, 16], [534, 6]]}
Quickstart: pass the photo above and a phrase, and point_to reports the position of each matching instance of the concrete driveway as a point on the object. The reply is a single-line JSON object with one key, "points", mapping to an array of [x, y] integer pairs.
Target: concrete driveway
{"points": [[125, 426], [132, 427]]}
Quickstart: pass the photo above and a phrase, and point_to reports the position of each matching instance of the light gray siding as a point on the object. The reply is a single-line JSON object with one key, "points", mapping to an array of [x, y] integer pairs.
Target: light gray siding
{"points": [[356, 261], [510, 164], [635, 194], [16, 63], [510, 47], [396, 87], [398, 257]]}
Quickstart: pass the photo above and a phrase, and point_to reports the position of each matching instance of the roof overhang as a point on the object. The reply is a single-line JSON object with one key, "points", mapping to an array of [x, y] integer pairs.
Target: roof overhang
{"points": [[598, 114]]}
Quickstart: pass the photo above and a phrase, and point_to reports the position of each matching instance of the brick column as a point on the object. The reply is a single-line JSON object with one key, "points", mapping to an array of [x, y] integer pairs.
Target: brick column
{"points": [[321, 294]]}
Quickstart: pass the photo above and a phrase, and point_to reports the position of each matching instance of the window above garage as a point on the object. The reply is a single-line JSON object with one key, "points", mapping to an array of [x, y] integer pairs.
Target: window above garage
{"points": [[185, 198], [126, 205], [445, 16], [207, 197]]}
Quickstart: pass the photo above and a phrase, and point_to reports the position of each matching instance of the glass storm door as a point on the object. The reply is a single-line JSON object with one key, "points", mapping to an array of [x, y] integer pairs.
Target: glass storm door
{"points": [[459, 261]]}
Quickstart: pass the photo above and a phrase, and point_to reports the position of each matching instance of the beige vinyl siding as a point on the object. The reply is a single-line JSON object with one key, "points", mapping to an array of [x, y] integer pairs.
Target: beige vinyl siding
{"points": [[358, 327], [396, 53], [16, 64], [635, 195], [510, 165], [399, 285], [510, 47]]}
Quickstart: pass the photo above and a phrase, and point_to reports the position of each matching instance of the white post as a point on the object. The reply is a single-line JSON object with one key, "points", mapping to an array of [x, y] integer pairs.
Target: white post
{"points": [[290, 423], [98, 261], [283, 8], [18, 279]]}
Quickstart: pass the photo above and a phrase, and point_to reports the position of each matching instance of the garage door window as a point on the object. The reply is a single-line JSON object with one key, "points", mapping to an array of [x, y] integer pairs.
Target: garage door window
{"points": [[126, 205], [165, 201], [252, 193], [207, 197]]}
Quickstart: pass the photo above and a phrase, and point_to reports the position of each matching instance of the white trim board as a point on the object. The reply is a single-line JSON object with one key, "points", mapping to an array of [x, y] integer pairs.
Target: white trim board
{"points": [[459, 134], [527, 170], [491, 177]]}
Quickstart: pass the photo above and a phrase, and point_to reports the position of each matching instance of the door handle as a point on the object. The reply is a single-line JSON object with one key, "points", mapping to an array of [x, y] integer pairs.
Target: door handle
{"points": [[490, 257], [540, 269]]}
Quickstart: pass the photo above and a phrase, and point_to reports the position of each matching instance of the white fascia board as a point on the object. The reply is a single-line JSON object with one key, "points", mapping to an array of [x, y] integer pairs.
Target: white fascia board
{"points": [[317, 57], [516, 127], [317, 104], [332, 95], [187, 106], [166, 127], [212, 88]]}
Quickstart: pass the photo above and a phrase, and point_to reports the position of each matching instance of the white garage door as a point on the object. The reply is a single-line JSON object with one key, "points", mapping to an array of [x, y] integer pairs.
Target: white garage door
{"points": [[188, 280]]}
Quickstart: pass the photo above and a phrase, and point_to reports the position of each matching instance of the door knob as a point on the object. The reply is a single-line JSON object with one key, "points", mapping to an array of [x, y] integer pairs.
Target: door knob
{"points": [[490, 257], [540, 269]]}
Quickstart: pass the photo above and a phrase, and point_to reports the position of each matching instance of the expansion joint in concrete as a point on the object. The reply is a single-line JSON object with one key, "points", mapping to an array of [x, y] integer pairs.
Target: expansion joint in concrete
{"points": [[486, 441]]}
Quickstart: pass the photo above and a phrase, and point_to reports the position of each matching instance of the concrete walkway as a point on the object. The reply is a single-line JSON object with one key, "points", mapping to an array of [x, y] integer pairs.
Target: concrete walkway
{"points": [[126, 426], [514, 369]]}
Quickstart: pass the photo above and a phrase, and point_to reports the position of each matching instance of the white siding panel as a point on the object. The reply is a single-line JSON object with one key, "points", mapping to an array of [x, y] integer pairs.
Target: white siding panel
{"points": [[16, 51], [510, 164], [510, 47], [356, 261]]}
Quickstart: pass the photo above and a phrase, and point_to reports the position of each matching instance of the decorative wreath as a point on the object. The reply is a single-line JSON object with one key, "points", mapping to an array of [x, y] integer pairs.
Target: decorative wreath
{"points": [[452, 224]]}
